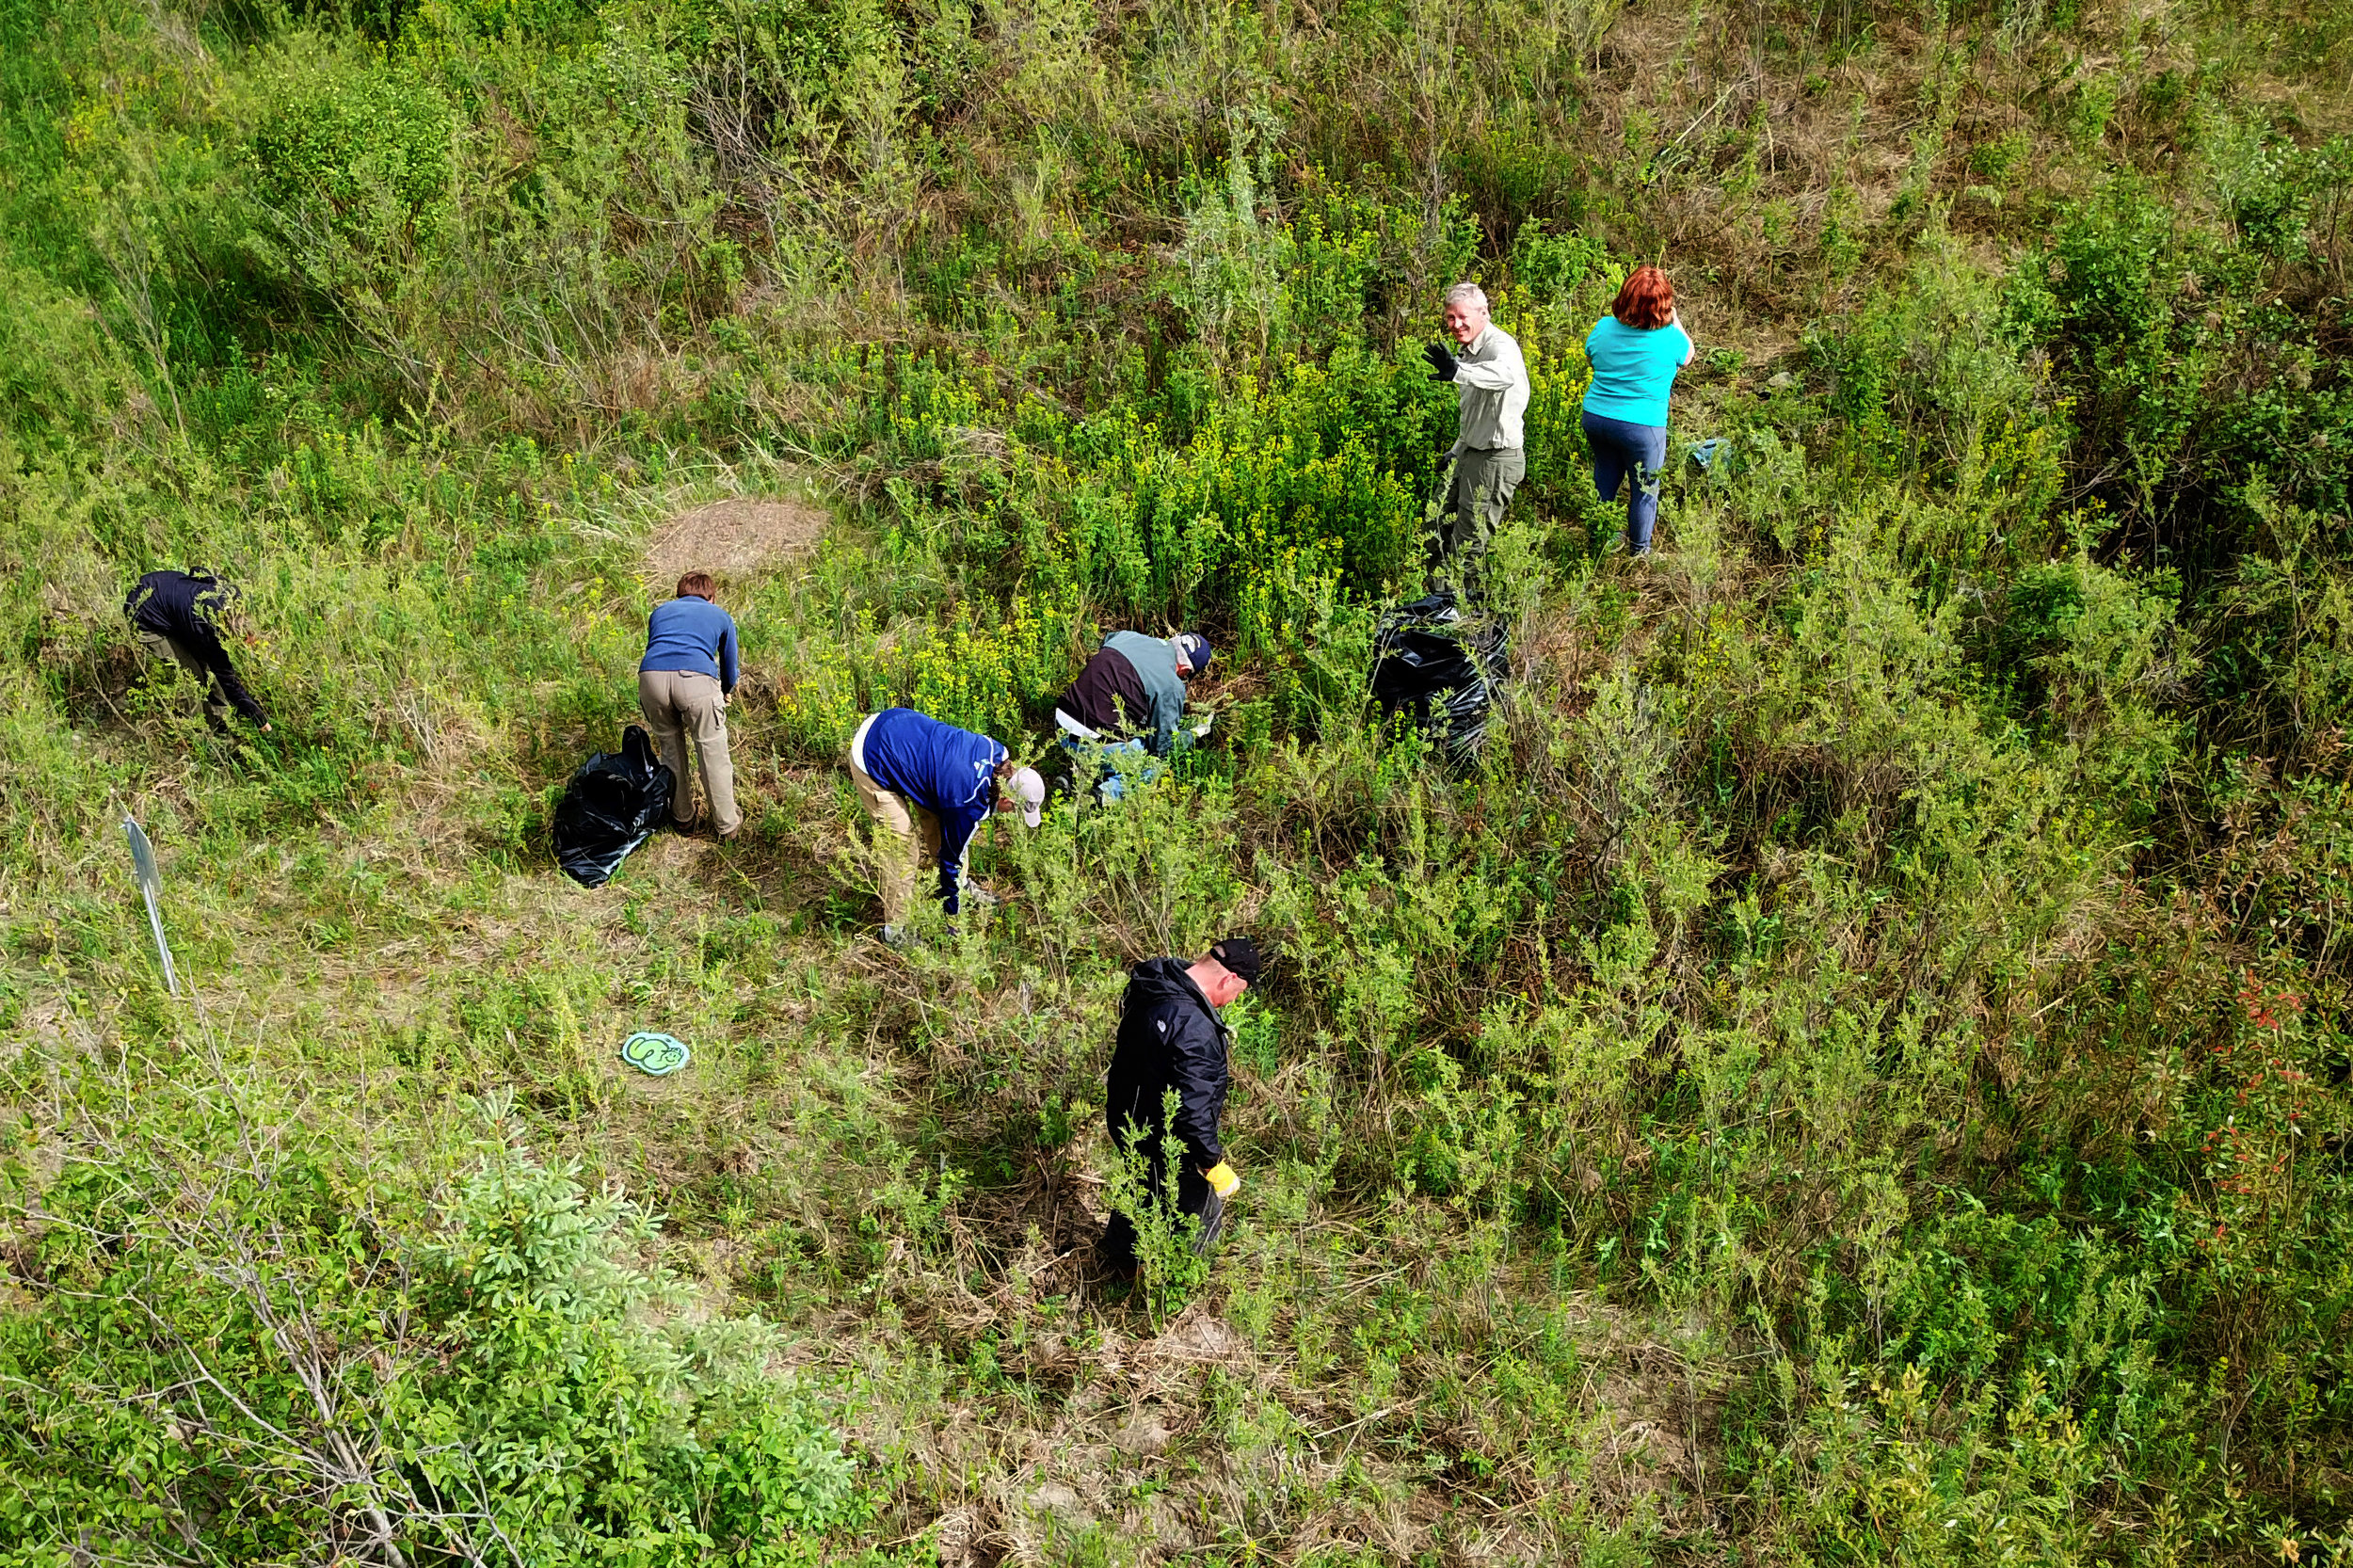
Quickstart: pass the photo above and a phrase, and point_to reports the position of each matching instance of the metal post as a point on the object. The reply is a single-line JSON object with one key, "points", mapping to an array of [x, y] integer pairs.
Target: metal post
{"points": [[151, 887]]}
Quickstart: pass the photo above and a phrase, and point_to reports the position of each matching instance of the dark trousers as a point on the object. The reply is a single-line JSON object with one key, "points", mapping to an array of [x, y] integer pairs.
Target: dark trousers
{"points": [[1620, 450], [1193, 1196]]}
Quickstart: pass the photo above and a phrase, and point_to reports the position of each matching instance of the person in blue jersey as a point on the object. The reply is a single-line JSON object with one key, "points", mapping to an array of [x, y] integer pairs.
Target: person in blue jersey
{"points": [[928, 786], [683, 684], [1636, 351]]}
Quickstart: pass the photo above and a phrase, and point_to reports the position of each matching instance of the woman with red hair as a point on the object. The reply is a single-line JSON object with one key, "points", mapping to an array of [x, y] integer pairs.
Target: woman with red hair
{"points": [[1635, 350]]}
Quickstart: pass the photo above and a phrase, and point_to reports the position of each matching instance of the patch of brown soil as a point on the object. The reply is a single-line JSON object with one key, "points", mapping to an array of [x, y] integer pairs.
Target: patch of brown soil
{"points": [[733, 539]]}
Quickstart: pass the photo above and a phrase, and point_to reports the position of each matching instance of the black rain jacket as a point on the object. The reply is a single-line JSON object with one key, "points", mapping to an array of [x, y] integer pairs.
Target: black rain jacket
{"points": [[177, 606], [1169, 1038]]}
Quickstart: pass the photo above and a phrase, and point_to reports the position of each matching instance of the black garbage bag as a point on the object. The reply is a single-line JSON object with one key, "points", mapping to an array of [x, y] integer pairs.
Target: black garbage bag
{"points": [[1440, 669], [614, 801]]}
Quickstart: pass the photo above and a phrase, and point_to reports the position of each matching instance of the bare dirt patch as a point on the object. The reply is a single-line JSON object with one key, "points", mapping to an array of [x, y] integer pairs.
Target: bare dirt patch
{"points": [[733, 539]]}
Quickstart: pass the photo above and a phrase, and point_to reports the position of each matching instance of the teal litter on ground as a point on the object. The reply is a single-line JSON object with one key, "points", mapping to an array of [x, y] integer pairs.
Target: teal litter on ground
{"points": [[656, 1054]]}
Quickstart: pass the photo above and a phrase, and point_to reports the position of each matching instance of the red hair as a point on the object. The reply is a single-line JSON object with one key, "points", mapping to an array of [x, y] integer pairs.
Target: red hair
{"points": [[1647, 299]]}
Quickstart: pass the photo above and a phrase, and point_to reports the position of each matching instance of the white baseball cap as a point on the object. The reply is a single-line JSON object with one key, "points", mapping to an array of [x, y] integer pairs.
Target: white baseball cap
{"points": [[1030, 790]]}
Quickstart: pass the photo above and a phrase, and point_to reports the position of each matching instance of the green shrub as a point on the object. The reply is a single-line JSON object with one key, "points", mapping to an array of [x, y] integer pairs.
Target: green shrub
{"points": [[595, 1418], [235, 1343], [358, 149], [1928, 379], [2100, 654]]}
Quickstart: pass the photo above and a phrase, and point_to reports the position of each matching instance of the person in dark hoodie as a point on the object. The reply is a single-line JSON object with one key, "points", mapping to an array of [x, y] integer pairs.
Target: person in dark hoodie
{"points": [[179, 615], [928, 785], [1170, 1037]]}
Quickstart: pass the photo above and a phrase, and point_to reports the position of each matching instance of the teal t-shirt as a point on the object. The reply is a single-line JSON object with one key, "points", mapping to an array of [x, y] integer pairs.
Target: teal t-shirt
{"points": [[1633, 369]]}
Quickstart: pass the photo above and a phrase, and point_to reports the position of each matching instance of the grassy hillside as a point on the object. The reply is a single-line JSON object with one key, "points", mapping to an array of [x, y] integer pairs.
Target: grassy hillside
{"points": [[1857, 1074]]}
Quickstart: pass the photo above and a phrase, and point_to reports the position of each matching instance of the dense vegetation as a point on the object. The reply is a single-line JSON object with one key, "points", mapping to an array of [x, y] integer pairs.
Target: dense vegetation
{"points": [[1857, 1074]]}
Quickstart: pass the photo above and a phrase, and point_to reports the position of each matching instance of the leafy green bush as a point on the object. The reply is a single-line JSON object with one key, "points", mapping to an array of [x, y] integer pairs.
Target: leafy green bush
{"points": [[358, 149], [2100, 653], [1929, 382], [232, 1344], [578, 1397]]}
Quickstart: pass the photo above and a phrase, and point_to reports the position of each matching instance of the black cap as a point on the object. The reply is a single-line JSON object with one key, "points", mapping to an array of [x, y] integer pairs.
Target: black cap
{"points": [[1240, 955]]}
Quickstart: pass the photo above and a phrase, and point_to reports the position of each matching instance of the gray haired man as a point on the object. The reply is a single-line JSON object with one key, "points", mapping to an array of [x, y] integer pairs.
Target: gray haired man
{"points": [[1491, 381]]}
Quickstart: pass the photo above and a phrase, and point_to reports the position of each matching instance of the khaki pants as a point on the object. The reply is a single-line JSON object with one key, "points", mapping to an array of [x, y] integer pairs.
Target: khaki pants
{"points": [[1483, 482], [163, 649], [907, 842], [682, 703], [907, 837]]}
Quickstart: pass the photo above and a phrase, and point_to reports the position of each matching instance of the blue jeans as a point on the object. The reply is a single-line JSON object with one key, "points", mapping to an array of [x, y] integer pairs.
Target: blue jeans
{"points": [[1618, 449], [1109, 782]]}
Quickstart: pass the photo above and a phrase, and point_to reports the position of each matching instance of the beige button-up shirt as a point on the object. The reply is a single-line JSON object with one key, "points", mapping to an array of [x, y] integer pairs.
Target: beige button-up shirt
{"points": [[1491, 381]]}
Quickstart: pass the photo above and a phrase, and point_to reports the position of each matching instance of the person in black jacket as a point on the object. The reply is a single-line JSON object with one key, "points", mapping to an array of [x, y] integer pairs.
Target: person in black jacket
{"points": [[1170, 1038], [178, 616]]}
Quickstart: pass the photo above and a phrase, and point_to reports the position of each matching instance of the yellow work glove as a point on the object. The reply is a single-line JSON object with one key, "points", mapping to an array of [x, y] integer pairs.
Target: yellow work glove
{"points": [[1222, 1179]]}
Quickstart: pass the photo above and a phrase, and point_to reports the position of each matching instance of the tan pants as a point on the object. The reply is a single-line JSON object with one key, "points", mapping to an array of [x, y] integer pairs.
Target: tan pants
{"points": [[907, 842], [682, 703], [163, 649]]}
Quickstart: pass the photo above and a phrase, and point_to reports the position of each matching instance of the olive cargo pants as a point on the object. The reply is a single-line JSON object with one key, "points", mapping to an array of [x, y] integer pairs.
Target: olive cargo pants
{"points": [[1482, 487]]}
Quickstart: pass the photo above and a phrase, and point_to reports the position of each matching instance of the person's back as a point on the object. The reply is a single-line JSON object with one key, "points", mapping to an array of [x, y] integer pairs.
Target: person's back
{"points": [[1170, 1041], [937, 766], [1636, 351], [683, 684], [1107, 698], [177, 616], [1134, 685], [177, 603], [691, 634], [1634, 369], [929, 786]]}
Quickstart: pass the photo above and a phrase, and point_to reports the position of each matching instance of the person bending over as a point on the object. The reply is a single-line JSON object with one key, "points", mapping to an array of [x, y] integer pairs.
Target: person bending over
{"points": [[683, 684], [1130, 698], [1636, 351], [928, 785], [1171, 1038], [179, 616], [1133, 685]]}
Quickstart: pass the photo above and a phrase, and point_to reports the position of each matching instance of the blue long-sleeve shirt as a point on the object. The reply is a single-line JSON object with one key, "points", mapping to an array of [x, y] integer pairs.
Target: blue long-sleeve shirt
{"points": [[692, 634], [949, 772]]}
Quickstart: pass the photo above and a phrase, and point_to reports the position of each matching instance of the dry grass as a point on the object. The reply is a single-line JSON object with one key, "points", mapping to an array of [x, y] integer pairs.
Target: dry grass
{"points": [[732, 539]]}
